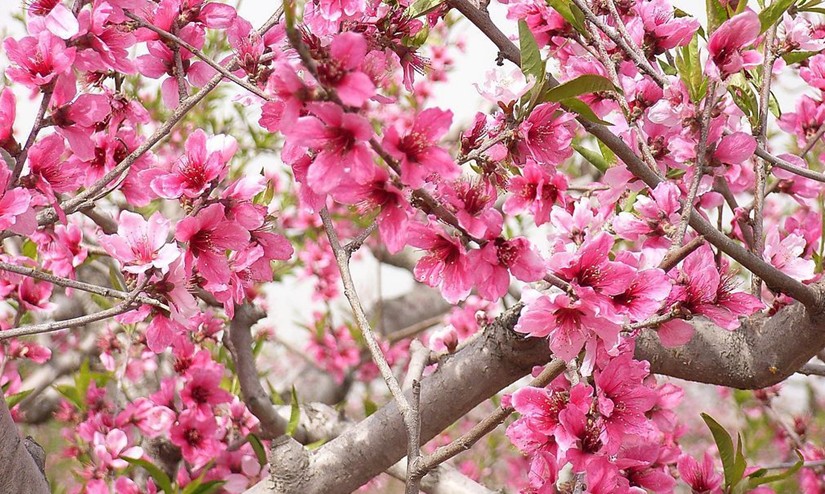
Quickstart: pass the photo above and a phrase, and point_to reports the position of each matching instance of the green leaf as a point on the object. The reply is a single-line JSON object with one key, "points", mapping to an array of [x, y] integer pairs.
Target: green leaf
{"points": [[717, 14], [596, 159], [370, 407], [758, 477], [584, 84], [733, 467], [13, 400], [257, 447], [82, 379], [577, 106], [196, 487], [29, 249], [531, 62], [773, 106], [690, 70], [769, 16], [71, 394], [115, 277], [422, 7], [798, 56], [294, 414], [162, 480], [570, 12]]}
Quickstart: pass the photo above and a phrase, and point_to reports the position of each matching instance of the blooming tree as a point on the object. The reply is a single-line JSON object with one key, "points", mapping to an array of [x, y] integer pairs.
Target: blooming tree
{"points": [[633, 203]]}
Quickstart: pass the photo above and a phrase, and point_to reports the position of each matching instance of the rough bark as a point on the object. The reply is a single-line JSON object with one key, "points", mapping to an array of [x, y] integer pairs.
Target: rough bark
{"points": [[20, 472]]}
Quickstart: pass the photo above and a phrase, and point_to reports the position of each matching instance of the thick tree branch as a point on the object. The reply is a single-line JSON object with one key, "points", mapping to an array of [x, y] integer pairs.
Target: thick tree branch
{"points": [[20, 473]]}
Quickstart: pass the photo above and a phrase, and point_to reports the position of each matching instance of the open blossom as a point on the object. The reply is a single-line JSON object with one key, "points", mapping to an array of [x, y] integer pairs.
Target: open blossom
{"points": [[209, 235], [341, 142], [110, 449], [786, 255], [160, 62], [547, 134], [727, 45], [504, 87], [536, 190], [473, 202], [203, 390], [140, 244], [662, 30], [38, 61], [702, 289], [495, 261], [197, 437], [347, 50], [569, 323], [700, 477], [417, 149], [445, 264], [203, 164], [14, 203]]}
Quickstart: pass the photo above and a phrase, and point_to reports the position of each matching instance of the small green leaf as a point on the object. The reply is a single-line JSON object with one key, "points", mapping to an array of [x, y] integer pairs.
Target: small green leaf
{"points": [[83, 379], [161, 479], [596, 159], [583, 110], [769, 16], [71, 394], [294, 414], [717, 14], [584, 84], [257, 447], [370, 407], [29, 249], [570, 12], [422, 7], [203, 488], [758, 477], [13, 400], [531, 63], [727, 453], [798, 56], [690, 70], [773, 106]]}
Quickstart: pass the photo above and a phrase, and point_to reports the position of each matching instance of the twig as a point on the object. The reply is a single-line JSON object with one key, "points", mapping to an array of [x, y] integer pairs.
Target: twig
{"points": [[675, 256], [786, 165], [812, 369], [414, 329], [812, 141], [358, 241], [36, 126], [79, 285], [68, 323], [466, 440], [411, 419], [759, 166]]}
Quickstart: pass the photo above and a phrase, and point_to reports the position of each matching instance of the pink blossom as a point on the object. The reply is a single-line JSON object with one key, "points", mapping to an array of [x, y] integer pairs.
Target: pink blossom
{"points": [[493, 261], [203, 391], [473, 201], [141, 245], [38, 61], [113, 447], [663, 31], [152, 419], [547, 134], [786, 255], [209, 234], [417, 150], [703, 289], [335, 350], [59, 20], [504, 87], [700, 477], [160, 62], [727, 44], [445, 264], [644, 295], [196, 436], [14, 203], [199, 169], [334, 10], [569, 323], [105, 43], [49, 173], [347, 50], [341, 141], [536, 190], [8, 113]]}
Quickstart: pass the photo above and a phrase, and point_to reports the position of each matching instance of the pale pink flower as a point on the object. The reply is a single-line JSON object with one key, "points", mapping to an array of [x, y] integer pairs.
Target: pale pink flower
{"points": [[113, 447], [141, 245], [786, 255]]}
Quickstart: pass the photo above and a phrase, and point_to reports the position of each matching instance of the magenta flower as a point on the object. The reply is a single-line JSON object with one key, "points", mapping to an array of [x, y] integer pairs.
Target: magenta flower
{"points": [[700, 477], [702, 289], [658, 214], [209, 235], [445, 264], [8, 112], [334, 10], [341, 141], [199, 169], [569, 323], [497, 259], [49, 173], [160, 62], [417, 151], [105, 43], [38, 61], [196, 436], [733, 149], [727, 45], [663, 31], [623, 399], [644, 295], [141, 245], [536, 190], [395, 210], [340, 72], [203, 391], [547, 135], [292, 94], [58, 19]]}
